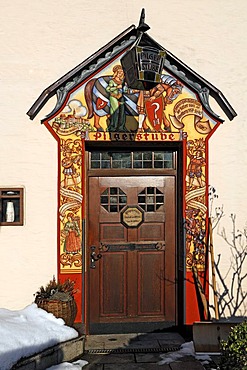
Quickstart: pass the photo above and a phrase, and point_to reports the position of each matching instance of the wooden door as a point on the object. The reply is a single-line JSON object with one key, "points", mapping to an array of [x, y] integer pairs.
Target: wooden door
{"points": [[132, 238]]}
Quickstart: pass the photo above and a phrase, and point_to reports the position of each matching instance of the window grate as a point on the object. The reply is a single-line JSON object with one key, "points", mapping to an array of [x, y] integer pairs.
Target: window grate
{"points": [[150, 199], [113, 199]]}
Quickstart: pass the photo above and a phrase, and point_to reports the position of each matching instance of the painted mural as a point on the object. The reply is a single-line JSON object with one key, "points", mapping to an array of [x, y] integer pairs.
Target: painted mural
{"points": [[105, 108], [70, 204]]}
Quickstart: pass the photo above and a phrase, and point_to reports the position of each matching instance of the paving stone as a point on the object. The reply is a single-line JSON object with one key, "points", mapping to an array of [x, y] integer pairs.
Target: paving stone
{"points": [[109, 341], [147, 357], [144, 344], [186, 365], [138, 366], [125, 358], [93, 367], [92, 359], [133, 361], [187, 359], [121, 343], [95, 342], [170, 342], [115, 361], [161, 336], [113, 358]]}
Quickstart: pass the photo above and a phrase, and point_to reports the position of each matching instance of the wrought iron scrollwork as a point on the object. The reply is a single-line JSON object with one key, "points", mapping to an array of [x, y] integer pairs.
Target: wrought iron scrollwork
{"points": [[160, 246], [103, 247]]}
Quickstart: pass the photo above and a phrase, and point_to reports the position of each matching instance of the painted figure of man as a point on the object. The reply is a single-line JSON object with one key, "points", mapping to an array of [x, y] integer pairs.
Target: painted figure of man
{"points": [[197, 161], [68, 164], [168, 85], [117, 109]]}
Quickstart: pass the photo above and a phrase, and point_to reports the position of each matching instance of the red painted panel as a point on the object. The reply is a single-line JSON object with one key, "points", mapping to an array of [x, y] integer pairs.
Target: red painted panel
{"points": [[194, 307], [78, 295]]}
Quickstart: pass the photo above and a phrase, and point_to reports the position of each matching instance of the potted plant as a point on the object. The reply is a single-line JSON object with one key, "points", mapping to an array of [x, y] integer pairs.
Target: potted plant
{"points": [[58, 299]]}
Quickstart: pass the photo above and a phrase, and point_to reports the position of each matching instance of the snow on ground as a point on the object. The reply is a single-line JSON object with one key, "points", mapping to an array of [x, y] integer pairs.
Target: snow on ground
{"points": [[66, 365], [187, 349], [31, 330]]}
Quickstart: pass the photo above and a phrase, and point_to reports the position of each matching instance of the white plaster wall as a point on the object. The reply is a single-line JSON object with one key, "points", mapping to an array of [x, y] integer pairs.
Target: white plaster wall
{"points": [[40, 41]]}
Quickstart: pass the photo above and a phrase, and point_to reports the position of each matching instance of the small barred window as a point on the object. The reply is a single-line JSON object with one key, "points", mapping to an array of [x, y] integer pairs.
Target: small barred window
{"points": [[113, 199], [150, 199]]}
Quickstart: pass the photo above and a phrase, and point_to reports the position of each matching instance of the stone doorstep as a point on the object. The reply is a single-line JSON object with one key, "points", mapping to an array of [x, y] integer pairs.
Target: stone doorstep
{"points": [[62, 352]]}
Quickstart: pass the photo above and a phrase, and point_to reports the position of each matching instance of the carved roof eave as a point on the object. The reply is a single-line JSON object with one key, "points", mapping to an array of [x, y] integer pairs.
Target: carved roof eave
{"points": [[64, 84], [176, 67]]}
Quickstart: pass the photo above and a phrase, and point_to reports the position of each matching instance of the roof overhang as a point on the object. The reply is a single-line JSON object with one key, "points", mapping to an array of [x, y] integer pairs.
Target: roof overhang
{"points": [[123, 41]]}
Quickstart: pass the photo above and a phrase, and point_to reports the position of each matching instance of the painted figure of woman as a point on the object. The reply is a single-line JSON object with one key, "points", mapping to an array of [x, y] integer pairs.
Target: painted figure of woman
{"points": [[72, 243]]}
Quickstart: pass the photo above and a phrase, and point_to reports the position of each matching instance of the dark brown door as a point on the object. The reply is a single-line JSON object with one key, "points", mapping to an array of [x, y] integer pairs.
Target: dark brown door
{"points": [[132, 226]]}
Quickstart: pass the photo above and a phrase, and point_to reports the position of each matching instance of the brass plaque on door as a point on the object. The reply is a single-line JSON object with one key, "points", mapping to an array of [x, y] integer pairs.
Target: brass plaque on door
{"points": [[132, 216]]}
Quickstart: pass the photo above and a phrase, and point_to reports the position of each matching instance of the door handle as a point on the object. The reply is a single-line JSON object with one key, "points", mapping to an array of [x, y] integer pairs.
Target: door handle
{"points": [[94, 257]]}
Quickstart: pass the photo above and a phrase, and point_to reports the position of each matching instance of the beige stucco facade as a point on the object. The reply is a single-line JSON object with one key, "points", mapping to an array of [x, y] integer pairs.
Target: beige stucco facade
{"points": [[42, 41]]}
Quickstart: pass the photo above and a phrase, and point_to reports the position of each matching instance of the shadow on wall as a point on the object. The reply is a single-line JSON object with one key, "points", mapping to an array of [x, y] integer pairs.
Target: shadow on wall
{"points": [[231, 296]]}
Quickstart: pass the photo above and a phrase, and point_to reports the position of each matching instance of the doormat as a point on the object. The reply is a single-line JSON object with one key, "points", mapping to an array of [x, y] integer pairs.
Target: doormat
{"points": [[131, 350]]}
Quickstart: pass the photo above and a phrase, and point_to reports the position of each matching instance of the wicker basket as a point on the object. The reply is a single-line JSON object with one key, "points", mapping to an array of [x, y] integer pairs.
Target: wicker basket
{"points": [[61, 309]]}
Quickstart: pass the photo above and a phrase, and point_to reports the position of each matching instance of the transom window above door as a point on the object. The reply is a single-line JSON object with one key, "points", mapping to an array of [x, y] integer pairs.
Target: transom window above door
{"points": [[131, 160]]}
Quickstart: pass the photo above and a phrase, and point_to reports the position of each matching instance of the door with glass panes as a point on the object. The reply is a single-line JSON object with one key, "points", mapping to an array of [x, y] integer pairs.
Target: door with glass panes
{"points": [[131, 248]]}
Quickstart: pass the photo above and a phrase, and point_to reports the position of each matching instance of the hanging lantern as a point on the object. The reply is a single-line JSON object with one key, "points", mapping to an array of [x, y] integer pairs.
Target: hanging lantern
{"points": [[143, 63]]}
